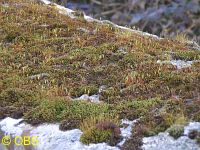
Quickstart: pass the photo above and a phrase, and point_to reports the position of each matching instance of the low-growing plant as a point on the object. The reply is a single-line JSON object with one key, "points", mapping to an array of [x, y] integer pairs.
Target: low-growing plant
{"points": [[58, 109], [103, 128], [138, 108], [176, 131]]}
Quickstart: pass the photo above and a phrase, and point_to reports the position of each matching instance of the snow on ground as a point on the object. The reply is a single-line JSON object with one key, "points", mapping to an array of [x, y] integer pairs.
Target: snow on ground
{"points": [[181, 63], [10, 126], [51, 138], [93, 98], [163, 141], [178, 63], [126, 132], [192, 126]]}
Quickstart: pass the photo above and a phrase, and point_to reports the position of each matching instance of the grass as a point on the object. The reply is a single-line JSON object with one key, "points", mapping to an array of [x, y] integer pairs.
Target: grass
{"points": [[36, 39]]}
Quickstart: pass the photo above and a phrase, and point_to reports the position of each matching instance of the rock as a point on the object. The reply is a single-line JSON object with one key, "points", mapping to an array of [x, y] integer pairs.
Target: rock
{"points": [[38, 76]]}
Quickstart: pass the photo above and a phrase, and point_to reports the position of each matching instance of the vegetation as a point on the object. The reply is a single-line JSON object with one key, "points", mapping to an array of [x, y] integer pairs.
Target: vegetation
{"points": [[194, 134], [100, 129], [176, 131], [47, 59]]}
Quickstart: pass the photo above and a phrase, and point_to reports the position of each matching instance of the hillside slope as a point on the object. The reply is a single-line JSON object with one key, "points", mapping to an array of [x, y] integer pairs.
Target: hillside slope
{"points": [[48, 59]]}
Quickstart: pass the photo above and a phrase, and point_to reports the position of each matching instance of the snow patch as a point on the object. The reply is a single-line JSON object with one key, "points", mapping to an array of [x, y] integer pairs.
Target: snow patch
{"points": [[38, 76], [181, 63], [85, 97], [51, 138], [178, 63], [163, 141], [46, 2], [126, 131], [192, 126], [10, 126]]}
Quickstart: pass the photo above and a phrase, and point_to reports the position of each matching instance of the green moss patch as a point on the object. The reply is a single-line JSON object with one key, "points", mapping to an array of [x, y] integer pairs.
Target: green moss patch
{"points": [[62, 109], [176, 131]]}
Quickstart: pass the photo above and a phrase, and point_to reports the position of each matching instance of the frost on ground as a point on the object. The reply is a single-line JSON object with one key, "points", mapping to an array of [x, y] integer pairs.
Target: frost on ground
{"points": [[163, 141], [51, 138]]}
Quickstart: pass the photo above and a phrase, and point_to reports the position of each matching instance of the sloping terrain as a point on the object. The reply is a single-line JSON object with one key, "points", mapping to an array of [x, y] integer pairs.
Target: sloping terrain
{"points": [[48, 59]]}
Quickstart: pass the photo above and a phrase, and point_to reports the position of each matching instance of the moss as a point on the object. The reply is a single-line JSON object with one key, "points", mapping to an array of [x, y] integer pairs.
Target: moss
{"points": [[137, 108], [11, 36], [187, 55], [95, 136], [15, 102], [109, 95], [196, 117], [100, 129], [198, 140], [47, 111], [176, 131], [62, 109], [90, 90], [69, 124], [40, 40], [156, 124]]}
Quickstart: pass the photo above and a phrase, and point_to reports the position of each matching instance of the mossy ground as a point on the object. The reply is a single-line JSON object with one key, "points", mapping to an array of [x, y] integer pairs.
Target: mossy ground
{"points": [[35, 39]]}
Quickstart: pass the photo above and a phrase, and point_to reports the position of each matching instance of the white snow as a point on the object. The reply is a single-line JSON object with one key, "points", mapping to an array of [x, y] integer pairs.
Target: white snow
{"points": [[93, 98], [126, 131], [51, 138], [192, 126], [46, 2], [178, 63], [37, 76], [9, 126], [163, 141], [181, 63]]}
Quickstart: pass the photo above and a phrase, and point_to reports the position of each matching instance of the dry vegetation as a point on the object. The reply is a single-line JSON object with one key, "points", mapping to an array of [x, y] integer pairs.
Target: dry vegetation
{"points": [[68, 61]]}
